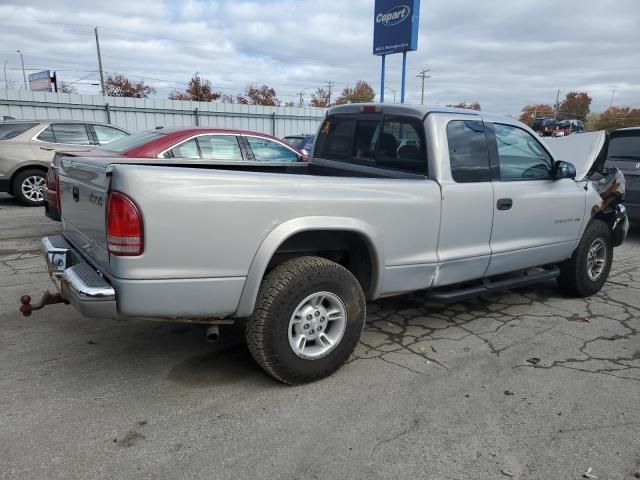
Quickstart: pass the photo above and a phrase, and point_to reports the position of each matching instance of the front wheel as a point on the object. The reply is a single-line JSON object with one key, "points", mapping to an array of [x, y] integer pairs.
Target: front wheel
{"points": [[307, 321], [587, 270]]}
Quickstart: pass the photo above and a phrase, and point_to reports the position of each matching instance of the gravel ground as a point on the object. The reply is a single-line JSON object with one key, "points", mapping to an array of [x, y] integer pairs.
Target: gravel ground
{"points": [[525, 385]]}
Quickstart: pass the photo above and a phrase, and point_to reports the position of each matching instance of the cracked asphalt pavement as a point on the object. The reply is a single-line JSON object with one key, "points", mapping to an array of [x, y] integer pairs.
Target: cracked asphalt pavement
{"points": [[527, 385]]}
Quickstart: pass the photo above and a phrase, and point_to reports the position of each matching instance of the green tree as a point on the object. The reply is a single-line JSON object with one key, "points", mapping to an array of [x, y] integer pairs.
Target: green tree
{"points": [[531, 112], [120, 86], [360, 93], [198, 90], [575, 105]]}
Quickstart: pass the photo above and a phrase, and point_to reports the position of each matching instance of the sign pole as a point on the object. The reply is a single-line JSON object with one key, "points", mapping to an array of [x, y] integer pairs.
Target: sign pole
{"points": [[382, 80], [404, 75]]}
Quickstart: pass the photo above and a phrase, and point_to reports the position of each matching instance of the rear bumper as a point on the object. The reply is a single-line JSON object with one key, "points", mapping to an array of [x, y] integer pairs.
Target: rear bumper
{"points": [[197, 300], [77, 281]]}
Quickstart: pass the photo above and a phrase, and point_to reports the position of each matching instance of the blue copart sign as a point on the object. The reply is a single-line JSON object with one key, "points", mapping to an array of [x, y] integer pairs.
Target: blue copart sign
{"points": [[395, 27]]}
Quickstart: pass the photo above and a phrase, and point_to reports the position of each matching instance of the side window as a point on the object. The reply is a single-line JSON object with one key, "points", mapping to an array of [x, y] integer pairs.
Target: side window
{"points": [[219, 147], [265, 150], [68, 133], [187, 149], [401, 146], [107, 134], [11, 130], [520, 155], [335, 138], [468, 151], [47, 135]]}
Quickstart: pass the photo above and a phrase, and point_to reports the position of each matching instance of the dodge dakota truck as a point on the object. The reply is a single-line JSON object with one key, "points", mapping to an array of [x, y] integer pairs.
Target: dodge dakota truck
{"points": [[395, 199]]}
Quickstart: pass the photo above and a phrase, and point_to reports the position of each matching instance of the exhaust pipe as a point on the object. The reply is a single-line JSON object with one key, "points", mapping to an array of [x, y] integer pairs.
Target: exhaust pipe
{"points": [[213, 334]]}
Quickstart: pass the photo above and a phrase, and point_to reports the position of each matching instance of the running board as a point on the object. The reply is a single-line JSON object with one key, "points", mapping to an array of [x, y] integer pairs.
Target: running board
{"points": [[449, 296]]}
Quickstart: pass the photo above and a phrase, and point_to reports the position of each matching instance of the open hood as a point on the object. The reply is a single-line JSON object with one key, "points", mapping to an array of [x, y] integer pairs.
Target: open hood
{"points": [[587, 151]]}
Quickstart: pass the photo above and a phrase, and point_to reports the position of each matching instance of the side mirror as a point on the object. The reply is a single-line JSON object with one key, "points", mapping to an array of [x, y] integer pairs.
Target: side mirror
{"points": [[564, 170]]}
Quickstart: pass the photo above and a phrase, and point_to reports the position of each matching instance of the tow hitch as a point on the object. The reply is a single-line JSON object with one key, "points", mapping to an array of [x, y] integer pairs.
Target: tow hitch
{"points": [[47, 299]]}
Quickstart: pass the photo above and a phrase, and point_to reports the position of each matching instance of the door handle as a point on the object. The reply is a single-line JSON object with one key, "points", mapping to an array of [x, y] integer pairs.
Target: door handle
{"points": [[48, 149], [504, 204]]}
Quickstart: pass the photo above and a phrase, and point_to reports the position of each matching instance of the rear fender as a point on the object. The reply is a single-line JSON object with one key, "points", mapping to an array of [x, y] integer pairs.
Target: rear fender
{"points": [[286, 230]]}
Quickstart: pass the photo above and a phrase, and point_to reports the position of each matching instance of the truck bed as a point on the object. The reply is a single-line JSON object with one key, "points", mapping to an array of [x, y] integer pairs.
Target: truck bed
{"points": [[204, 223]]}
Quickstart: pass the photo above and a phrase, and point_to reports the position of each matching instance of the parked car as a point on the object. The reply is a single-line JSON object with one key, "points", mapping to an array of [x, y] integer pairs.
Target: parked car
{"points": [[544, 126], [304, 143], [192, 143], [28, 146], [624, 153], [297, 249]]}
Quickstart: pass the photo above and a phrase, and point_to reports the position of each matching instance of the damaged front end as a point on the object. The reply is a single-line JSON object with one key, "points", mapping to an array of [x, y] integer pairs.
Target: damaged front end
{"points": [[588, 153], [609, 183]]}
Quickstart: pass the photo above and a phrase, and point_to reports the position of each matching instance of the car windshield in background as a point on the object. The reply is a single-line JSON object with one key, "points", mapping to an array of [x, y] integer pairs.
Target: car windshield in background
{"points": [[11, 130], [132, 141], [295, 141], [625, 147]]}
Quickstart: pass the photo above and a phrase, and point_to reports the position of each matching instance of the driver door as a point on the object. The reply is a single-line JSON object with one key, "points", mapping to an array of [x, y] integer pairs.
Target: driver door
{"points": [[536, 219]]}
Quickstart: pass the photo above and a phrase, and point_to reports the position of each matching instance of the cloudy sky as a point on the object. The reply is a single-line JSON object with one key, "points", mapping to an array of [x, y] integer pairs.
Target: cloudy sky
{"points": [[501, 53]]}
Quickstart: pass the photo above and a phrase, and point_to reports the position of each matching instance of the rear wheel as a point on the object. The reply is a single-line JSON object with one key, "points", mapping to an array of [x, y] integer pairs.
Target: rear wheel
{"points": [[307, 321], [587, 270], [28, 187]]}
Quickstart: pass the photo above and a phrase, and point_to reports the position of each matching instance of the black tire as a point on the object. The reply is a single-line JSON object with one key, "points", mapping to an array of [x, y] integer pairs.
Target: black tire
{"points": [[574, 279], [29, 178], [281, 292]]}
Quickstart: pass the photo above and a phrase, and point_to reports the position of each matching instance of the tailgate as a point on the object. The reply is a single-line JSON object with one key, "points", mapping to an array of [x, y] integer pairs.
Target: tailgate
{"points": [[84, 185]]}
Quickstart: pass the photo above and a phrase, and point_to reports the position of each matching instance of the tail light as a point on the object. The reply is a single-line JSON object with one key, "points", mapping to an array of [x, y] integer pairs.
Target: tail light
{"points": [[124, 226]]}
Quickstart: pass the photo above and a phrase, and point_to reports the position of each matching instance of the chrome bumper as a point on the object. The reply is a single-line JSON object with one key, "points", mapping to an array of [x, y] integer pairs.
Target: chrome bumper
{"points": [[77, 281]]}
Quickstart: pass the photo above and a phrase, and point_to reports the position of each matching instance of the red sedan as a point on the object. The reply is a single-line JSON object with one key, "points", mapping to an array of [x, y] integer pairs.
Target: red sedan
{"points": [[192, 143]]}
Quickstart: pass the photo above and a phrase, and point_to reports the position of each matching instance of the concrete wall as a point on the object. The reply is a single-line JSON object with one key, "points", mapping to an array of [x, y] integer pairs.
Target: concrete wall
{"points": [[135, 114]]}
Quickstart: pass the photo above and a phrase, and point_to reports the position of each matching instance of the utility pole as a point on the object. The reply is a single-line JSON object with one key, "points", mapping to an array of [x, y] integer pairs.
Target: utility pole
{"points": [[423, 75], [6, 84], [613, 92], [99, 61], [330, 85], [300, 96], [555, 113], [24, 74]]}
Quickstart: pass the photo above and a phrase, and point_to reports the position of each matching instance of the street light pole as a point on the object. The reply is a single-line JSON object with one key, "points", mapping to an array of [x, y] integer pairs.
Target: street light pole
{"points": [[423, 75], [24, 74], [394, 93], [6, 84]]}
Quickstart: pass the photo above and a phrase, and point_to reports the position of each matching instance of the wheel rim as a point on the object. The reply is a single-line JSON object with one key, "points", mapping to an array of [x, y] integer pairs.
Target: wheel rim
{"points": [[596, 259], [32, 188], [317, 325]]}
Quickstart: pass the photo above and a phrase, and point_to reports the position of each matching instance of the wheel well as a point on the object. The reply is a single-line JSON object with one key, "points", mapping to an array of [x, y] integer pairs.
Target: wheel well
{"points": [[22, 169], [349, 249]]}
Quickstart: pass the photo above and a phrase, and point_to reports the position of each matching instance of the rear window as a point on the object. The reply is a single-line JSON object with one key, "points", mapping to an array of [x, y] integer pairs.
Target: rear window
{"points": [[132, 141], [625, 147], [11, 130], [393, 142], [468, 151]]}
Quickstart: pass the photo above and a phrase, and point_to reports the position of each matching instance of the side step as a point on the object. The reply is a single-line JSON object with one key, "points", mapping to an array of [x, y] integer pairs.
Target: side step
{"points": [[528, 278]]}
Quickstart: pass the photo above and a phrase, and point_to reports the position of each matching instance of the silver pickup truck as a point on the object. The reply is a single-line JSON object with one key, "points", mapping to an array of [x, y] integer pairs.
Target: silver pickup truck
{"points": [[395, 199]]}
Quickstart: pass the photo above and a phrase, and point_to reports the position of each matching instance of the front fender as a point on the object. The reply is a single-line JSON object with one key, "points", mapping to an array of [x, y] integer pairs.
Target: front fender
{"points": [[282, 232]]}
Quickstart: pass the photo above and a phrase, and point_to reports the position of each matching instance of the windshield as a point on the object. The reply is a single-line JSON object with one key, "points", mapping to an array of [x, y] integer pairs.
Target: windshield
{"points": [[625, 147], [132, 141], [294, 141]]}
